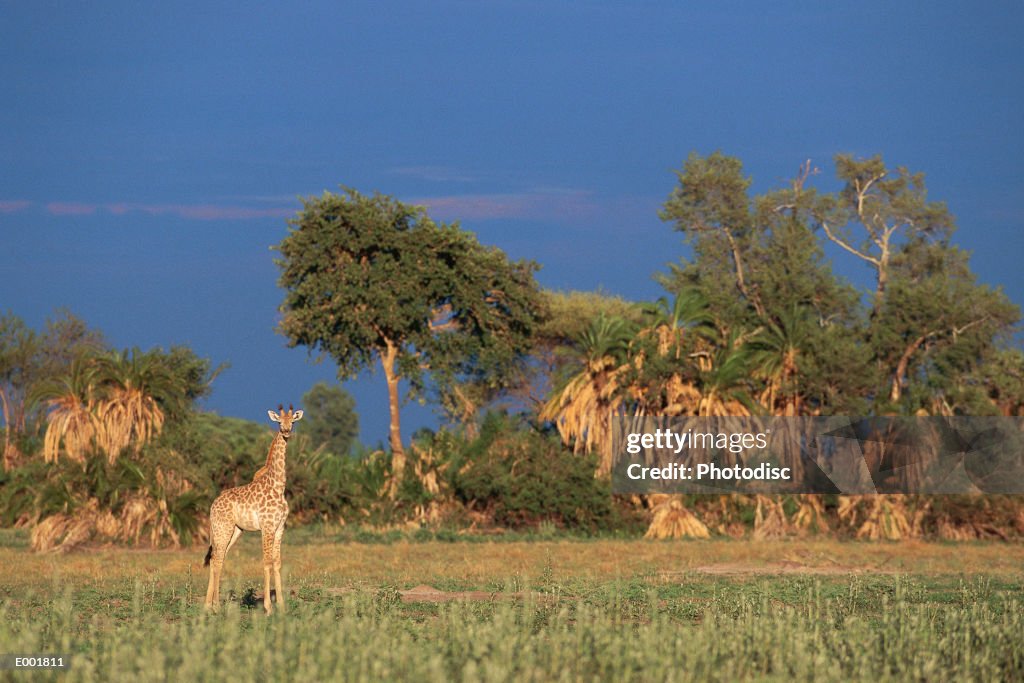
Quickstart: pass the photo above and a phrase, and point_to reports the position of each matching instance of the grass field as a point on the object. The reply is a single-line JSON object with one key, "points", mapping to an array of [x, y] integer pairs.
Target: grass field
{"points": [[526, 610]]}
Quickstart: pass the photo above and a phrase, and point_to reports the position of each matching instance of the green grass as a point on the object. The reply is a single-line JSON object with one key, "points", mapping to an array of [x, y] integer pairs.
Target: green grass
{"points": [[555, 611], [802, 628]]}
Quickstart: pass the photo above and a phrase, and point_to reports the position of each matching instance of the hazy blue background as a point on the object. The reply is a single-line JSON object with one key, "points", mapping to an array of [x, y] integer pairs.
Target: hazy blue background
{"points": [[150, 153]]}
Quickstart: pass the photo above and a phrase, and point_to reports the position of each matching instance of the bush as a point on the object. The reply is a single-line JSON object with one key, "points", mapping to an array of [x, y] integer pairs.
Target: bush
{"points": [[521, 477]]}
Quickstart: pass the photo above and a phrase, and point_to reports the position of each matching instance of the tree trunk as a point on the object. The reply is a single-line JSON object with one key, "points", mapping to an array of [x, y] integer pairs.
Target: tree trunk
{"points": [[883, 279], [901, 368], [741, 282], [387, 360], [10, 452]]}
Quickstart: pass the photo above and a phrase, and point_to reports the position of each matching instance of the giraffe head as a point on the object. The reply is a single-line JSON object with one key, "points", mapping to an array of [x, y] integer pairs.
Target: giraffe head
{"points": [[285, 418]]}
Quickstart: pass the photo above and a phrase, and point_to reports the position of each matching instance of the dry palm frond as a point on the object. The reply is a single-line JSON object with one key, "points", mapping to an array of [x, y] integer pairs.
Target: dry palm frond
{"points": [[141, 517], [73, 423], [582, 411], [879, 517], [726, 514], [127, 417], [672, 520], [71, 405], [951, 531], [810, 516], [682, 397], [62, 532], [130, 415], [171, 483], [427, 469], [12, 455], [713, 405], [769, 518], [429, 473], [977, 522]]}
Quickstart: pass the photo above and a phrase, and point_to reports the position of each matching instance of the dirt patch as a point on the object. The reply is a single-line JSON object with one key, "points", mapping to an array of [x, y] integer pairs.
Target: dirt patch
{"points": [[780, 567], [425, 593]]}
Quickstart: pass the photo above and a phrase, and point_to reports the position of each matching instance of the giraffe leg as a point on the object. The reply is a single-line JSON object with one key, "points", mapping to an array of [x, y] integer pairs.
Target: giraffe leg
{"points": [[208, 605], [223, 534], [215, 562], [213, 590], [234, 537], [268, 563], [278, 535]]}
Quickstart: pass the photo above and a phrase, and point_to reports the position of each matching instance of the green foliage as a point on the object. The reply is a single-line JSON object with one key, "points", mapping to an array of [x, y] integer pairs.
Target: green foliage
{"points": [[606, 337], [30, 491], [555, 344], [712, 194], [571, 313], [521, 478], [879, 199], [29, 359], [331, 419], [112, 472], [936, 326], [332, 488], [711, 208], [1002, 378], [364, 273], [370, 279], [930, 329], [228, 449]]}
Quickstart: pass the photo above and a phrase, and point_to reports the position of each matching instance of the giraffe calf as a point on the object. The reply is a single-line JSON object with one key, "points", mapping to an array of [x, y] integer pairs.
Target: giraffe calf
{"points": [[257, 506]]}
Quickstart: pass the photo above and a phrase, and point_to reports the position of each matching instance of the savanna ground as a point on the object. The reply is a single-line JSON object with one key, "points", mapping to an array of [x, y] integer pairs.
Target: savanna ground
{"points": [[429, 607]]}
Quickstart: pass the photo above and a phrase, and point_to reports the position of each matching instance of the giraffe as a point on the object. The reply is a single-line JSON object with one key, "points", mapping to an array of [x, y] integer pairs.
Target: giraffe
{"points": [[258, 505]]}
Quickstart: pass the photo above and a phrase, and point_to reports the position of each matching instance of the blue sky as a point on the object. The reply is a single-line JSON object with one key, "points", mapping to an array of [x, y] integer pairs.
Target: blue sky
{"points": [[150, 153]]}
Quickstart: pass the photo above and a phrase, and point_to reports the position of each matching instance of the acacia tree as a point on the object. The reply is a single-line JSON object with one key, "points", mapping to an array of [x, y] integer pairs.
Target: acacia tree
{"points": [[710, 205], [885, 207], [370, 280], [936, 327], [760, 267], [930, 324]]}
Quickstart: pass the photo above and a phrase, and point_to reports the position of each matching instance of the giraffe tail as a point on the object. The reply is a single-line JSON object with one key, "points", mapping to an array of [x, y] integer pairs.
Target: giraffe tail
{"points": [[209, 554]]}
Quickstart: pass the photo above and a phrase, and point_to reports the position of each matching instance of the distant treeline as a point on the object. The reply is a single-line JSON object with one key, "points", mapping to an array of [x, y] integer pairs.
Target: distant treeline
{"points": [[104, 444]]}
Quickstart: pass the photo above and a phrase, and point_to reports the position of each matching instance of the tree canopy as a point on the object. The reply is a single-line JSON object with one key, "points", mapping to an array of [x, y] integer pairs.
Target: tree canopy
{"points": [[927, 330], [332, 422], [369, 279]]}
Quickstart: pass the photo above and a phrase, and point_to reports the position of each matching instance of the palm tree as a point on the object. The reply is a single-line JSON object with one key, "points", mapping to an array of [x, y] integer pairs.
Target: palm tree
{"points": [[130, 413], [725, 380], [779, 350], [71, 400], [582, 409], [677, 329], [689, 312], [720, 368], [700, 376], [779, 347]]}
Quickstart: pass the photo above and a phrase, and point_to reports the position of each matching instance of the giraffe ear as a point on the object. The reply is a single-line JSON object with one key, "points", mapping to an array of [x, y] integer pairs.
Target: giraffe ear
{"points": [[296, 416], [274, 416]]}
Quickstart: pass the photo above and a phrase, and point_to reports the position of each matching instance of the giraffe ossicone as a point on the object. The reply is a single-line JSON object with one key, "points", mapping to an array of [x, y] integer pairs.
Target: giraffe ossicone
{"points": [[257, 506]]}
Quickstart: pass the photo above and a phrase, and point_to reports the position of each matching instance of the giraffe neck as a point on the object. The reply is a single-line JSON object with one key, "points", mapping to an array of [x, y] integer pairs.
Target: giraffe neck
{"points": [[275, 472]]}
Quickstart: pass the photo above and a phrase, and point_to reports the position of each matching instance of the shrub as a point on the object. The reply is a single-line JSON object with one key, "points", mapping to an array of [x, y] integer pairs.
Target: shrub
{"points": [[522, 477]]}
